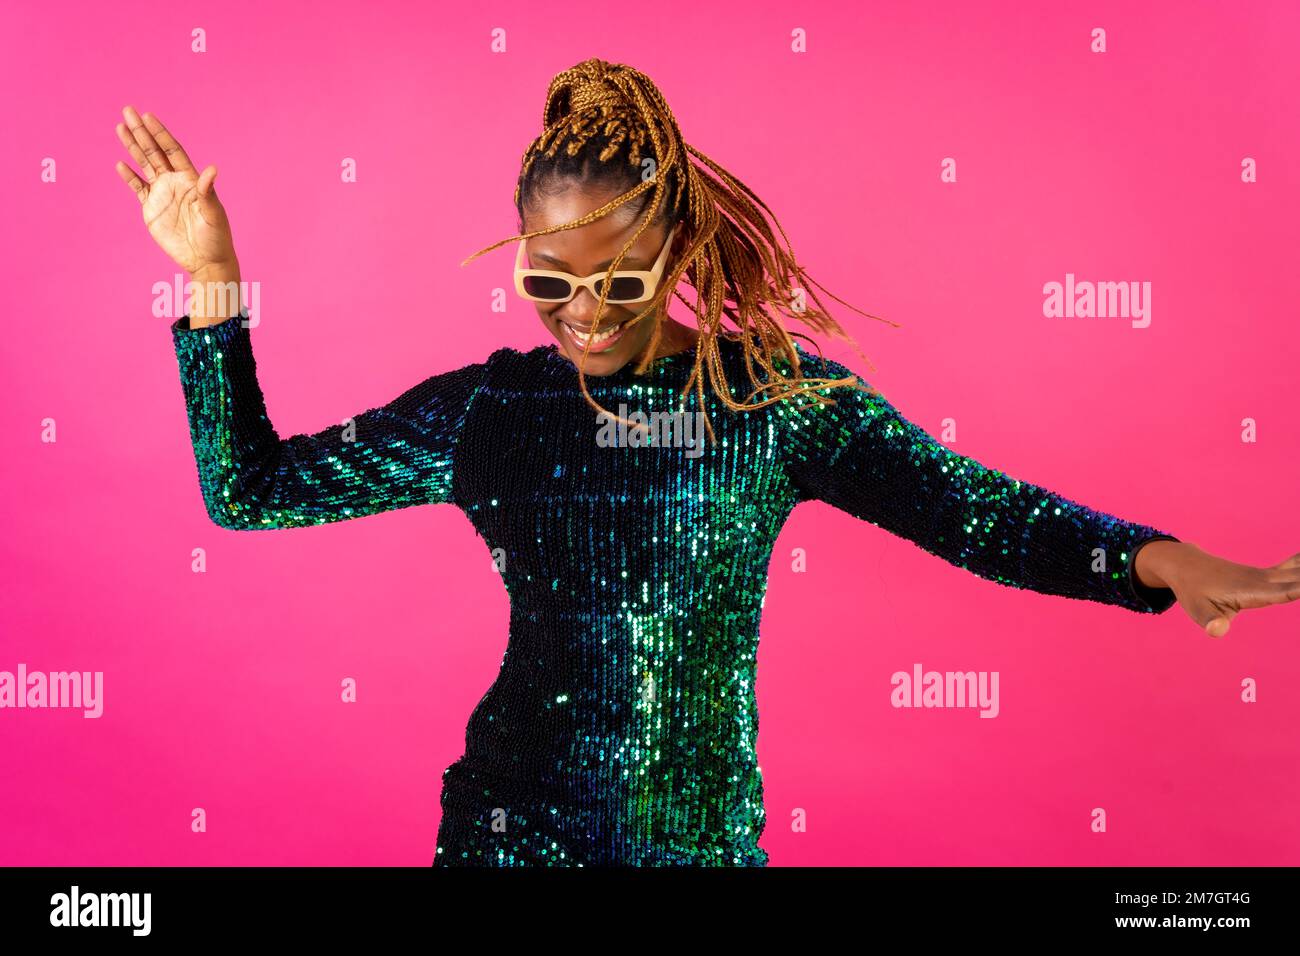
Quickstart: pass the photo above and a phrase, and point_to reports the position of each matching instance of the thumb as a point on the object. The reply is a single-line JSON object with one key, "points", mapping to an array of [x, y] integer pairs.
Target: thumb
{"points": [[1216, 622], [207, 183]]}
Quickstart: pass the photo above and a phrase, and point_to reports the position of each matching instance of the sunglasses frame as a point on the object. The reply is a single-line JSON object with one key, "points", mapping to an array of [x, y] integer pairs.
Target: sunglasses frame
{"points": [[650, 277]]}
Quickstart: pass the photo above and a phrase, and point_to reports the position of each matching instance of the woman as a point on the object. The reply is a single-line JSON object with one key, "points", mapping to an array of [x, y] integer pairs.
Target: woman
{"points": [[622, 726]]}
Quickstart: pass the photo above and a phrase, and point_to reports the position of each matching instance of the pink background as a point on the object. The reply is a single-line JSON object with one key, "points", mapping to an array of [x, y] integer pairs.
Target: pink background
{"points": [[222, 689]]}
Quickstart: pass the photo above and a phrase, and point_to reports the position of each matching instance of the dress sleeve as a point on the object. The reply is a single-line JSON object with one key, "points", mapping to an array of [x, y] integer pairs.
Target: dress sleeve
{"points": [[389, 457], [863, 457]]}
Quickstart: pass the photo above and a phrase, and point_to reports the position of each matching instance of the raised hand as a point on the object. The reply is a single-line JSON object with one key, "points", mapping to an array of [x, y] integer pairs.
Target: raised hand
{"points": [[180, 205]]}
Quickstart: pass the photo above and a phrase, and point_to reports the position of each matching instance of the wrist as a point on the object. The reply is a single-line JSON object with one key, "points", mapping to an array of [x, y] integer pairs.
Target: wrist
{"points": [[224, 271], [1156, 563], [214, 293]]}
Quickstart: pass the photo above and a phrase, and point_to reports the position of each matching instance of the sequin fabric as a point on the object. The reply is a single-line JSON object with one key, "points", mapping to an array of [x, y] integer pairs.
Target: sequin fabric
{"points": [[622, 726]]}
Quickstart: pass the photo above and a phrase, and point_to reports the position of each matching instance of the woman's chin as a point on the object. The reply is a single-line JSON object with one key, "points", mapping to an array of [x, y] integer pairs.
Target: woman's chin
{"points": [[595, 363]]}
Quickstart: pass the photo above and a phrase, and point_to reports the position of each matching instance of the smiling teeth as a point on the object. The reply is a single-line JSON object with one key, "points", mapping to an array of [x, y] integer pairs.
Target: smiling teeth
{"points": [[598, 337]]}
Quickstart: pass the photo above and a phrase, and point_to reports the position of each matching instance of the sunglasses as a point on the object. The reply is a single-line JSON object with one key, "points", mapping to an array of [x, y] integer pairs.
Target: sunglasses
{"points": [[625, 286]]}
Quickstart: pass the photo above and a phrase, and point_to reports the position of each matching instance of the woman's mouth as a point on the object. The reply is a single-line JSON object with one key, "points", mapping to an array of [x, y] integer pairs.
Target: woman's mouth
{"points": [[603, 341]]}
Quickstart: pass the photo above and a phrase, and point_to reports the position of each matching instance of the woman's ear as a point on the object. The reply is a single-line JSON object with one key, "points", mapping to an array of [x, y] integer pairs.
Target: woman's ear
{"points": [[679, 239]]}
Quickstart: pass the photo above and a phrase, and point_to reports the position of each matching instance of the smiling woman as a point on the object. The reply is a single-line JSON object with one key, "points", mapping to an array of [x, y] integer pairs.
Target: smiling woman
{"points": [[574, 326], [609, 186], [622, 726]]}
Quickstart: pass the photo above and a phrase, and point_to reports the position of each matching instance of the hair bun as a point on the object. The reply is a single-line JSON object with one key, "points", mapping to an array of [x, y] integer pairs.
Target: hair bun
{"points": [[593, 83]]}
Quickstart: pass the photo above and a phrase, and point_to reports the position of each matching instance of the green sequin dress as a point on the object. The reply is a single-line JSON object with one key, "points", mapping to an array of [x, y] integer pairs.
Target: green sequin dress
{"points": [[621, 728]]}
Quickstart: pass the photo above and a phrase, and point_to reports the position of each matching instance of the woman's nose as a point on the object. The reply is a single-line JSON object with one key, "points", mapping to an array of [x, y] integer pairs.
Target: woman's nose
{"points": [[581, 309]]}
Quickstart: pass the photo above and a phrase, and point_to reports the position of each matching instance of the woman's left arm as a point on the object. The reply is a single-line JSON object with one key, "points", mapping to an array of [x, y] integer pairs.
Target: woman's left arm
{"points": [[862, 456]]}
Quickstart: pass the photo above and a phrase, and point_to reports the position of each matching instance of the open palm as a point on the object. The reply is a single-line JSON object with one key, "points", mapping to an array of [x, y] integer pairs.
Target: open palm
{"points": [[179, 204]]}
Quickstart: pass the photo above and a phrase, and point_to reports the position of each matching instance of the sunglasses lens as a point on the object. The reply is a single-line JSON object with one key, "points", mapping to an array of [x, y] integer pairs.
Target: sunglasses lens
{"points": [[624, 289], [547, 287]]}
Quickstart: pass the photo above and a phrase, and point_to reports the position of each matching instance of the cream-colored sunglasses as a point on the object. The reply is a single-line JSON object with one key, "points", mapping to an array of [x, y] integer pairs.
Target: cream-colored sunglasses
{"points": [[625, 286]]}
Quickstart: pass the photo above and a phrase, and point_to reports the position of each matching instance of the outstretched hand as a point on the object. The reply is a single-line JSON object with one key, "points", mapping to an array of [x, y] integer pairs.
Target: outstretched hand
{"points": [[1213, 590]]}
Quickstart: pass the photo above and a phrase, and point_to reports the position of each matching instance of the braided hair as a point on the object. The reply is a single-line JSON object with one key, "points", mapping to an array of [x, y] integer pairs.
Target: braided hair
{"points": [[608, 124]]}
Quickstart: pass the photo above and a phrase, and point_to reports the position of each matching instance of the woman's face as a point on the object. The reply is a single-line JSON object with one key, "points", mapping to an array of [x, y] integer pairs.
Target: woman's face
{"points": [[582, 251]]}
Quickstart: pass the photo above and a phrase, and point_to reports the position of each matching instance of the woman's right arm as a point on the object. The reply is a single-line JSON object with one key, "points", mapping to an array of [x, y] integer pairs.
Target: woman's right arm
{"points": [[393, 456], [389, 457]]}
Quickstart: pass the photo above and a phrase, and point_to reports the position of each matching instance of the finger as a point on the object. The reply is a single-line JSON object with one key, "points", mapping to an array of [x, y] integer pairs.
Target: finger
{"points": [[1291, 562], [209, 207], [1274, 592], [1285, 591], [134, 149], [157, 158], [1215, 616], [206, 184], [175, 155], [131, 179], [1218, 621]]}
